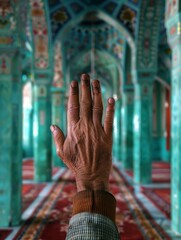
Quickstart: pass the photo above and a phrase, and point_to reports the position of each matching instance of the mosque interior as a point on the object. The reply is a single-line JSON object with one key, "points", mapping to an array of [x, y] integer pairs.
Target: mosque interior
{"points": [[134, 48]]}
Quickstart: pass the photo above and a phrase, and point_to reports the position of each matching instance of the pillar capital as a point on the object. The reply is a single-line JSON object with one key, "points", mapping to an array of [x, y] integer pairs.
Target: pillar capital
{"points": [[43, 76]]}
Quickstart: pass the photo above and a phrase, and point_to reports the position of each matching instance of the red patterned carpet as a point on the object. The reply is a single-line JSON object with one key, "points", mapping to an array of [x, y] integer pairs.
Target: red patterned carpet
{"points": [[4, 233], [160, 198], [28, 169], [50, 219], [160, 172], [30, 193]]}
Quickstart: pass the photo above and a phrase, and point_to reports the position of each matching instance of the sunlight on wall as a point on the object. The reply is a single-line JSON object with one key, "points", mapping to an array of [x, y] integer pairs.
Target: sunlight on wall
{"points": [[27, 96], [27, 120]]}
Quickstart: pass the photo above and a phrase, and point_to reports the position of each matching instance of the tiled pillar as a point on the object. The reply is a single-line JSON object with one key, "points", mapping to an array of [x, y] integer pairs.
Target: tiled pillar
{"points": [[127, 129], [58, 118], [143, 131], [10, 139], [173, 25], [41, 132]]}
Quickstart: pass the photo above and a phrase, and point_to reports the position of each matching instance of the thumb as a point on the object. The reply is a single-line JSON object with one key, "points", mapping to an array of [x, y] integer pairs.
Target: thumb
{"points": [[59, 139]]}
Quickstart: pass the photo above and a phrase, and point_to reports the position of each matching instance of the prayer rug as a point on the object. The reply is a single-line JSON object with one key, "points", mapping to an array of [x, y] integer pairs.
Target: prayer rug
{"points": [[50, 220], [160, 198], [28, 169]]}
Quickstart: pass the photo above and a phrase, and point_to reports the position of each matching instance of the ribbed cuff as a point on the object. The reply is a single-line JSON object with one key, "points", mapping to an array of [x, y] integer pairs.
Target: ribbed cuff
{"points": [[100, 202]]}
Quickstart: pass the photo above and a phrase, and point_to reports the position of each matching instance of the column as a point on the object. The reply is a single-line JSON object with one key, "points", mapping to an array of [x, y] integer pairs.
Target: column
{"points": [[117, 131], [41, 132], [143, 131], [58, 118], [144, 70], [173, 25], [127, 129], [10, 138]]}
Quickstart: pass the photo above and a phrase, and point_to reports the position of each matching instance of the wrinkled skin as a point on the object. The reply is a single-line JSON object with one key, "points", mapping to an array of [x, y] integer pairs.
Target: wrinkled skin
{"points": [[87, 148]]}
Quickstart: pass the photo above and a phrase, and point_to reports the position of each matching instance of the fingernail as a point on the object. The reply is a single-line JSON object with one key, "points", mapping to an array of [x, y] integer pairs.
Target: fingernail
{"points": [[95, 83], [96, 86], [74, 84], [111, 100], [85, 76], [52, 128], [85, 79]]}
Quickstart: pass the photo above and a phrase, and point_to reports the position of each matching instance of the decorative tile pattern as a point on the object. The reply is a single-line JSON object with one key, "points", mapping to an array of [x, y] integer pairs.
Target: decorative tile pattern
{"points": [[58, 19], [7, 18], [92, 2], [127, 16], [58, 74], [110, 7], [5, 65], [40, 34], [172, 7], [53, 3], [76, 7], [105, 38], [149, 26], [135, 2], [62, 13]]}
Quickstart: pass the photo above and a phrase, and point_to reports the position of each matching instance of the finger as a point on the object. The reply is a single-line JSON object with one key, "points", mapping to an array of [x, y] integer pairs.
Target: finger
{"points": [[86, 98], [108, 122], [97, 102], [73, 104], [59, 139]]}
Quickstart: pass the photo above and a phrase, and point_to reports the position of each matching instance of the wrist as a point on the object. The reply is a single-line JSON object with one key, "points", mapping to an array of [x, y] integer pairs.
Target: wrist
{"points": [[100, 202], [92, 185]]}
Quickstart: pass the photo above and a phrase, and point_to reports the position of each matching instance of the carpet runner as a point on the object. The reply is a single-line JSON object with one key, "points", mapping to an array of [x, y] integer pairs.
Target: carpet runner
{"points": [[160, 198], [50, 219], [29, 193]]}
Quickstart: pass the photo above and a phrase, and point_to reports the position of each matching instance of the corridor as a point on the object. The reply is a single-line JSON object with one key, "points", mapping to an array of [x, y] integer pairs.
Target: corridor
{"points": [[134, 48]]}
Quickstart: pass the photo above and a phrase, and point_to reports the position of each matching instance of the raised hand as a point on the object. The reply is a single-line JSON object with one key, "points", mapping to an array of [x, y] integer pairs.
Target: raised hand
{"points": [[87, 148]]}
